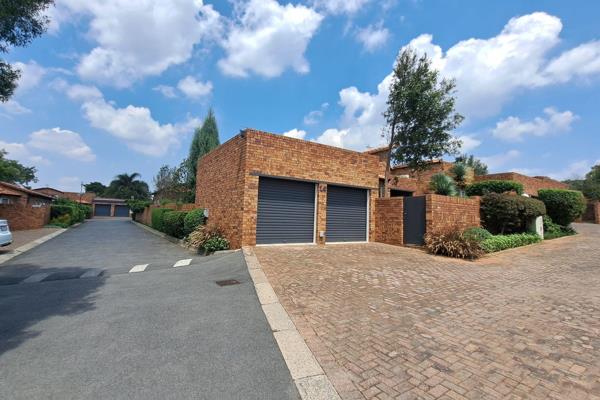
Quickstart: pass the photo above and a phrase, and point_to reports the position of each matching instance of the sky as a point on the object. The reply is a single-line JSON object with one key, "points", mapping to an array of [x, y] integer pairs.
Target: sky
{"points": [[119, 85]]}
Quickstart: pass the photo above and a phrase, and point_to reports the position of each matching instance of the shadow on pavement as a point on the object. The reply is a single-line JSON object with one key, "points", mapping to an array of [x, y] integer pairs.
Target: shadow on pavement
{"points": [[23, 305]]}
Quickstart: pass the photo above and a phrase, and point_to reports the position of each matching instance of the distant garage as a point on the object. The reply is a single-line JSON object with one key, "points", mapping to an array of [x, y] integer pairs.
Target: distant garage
{"points": [[108, 207]]}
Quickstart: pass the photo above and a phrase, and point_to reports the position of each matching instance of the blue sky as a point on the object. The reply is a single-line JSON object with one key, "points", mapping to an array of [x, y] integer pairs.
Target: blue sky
{"points": [[118, 86]]}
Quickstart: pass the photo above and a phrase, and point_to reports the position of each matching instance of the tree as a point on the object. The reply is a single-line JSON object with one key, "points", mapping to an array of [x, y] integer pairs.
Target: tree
{"points": [[12, 171], [420, 114], [127, 186], [95, 187], [591, 183], [205, 139], [463, 175], [479, 167], [20, 22], [171, 183]]}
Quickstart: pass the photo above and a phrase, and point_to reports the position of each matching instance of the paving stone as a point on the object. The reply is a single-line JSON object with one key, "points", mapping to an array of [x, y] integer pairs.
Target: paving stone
{"points": [[512, 325]]}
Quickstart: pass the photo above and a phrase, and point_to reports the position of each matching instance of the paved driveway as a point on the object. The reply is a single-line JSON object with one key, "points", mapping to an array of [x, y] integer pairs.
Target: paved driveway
{"points": [[388, 322], [163, 333]]}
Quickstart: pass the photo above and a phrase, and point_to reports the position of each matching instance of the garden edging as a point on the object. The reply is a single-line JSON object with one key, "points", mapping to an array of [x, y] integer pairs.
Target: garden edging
{"points": [[310, 379]]}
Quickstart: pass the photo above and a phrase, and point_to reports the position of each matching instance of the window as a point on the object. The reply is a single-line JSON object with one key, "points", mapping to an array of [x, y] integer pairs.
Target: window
{"points": [[5, 200]]}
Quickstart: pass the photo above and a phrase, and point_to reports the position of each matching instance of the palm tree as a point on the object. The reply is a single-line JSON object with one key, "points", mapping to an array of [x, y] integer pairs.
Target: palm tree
{"points": [[128, 186]]}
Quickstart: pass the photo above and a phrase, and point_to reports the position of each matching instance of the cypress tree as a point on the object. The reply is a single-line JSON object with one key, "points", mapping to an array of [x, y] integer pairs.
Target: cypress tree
{"points": [[206, 138]]}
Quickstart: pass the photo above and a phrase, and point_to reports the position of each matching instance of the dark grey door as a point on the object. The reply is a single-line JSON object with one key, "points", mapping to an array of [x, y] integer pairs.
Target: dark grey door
{"points": [[102, 210], [121, 211], [286, 211], [414, 220], [346, 214]]}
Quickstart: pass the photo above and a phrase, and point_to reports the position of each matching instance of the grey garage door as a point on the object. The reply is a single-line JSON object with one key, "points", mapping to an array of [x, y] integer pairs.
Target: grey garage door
{"points": [[102, 210], [286, 211], [121, 211], [346, 214]]}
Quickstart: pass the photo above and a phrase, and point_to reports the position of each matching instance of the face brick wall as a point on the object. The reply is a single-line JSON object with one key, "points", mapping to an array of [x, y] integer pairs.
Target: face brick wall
{"points": [[389, 220], [23, 216], [420, 180], [530, 184], [279, 156], [220, 187], [228, 178], [444, 212]]}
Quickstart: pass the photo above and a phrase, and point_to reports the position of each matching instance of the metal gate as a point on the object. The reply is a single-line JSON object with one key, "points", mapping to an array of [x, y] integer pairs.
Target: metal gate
{"points": [[414, 220]]}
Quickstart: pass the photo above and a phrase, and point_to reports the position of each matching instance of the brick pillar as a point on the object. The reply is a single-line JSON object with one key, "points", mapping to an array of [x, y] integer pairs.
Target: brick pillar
{"points": [[321, 212], [597, 212], [112, 210]]}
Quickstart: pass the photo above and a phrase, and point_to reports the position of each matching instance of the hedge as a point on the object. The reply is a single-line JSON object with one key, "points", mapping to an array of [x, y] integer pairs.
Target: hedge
{"points": [[157, 218], [484, 187], [173, 223], [66, 212], [553, 230], [507, 213], [503, 242], [192, 220], [563, 206]]}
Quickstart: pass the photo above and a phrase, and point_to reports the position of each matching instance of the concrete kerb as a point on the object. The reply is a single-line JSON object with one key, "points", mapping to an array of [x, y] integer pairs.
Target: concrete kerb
{"points": [[26, 247], [310, 380]]}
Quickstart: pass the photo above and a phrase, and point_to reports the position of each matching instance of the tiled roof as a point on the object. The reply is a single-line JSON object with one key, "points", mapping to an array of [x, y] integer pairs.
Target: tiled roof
{"points": [[20, 189]]}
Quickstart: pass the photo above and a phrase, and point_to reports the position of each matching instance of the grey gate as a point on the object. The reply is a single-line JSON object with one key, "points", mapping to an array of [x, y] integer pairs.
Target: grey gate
{"points": [[414, 220]]}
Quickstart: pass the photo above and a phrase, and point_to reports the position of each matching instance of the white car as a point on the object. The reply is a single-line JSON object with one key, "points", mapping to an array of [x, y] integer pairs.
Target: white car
{"points": [[5, 235]]}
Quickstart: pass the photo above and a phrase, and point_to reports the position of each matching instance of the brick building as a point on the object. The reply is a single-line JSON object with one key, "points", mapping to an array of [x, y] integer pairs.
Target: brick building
{"points": [[83, 198], [23, 208]]}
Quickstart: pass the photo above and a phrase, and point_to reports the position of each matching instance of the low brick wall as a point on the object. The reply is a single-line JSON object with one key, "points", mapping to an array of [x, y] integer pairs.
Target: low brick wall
{"points": [[146, 216], [597, 212], [443, 211], [389, 220], [24, 216]]}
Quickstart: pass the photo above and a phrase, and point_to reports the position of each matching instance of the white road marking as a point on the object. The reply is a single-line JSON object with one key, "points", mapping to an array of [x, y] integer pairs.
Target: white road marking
{"points": [[139, 268], [182, 263], [36, 278], [92, 273]]}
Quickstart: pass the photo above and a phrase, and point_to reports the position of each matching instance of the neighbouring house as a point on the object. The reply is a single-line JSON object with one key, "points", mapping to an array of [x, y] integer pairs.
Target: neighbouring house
{"points": [[263, 188], [83, 198], [23, 208], [531, 184], [107, 207]]}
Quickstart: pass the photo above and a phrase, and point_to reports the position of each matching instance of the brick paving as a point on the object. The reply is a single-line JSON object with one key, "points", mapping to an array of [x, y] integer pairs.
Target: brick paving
{"points": [[388, 322], [21, 238]]}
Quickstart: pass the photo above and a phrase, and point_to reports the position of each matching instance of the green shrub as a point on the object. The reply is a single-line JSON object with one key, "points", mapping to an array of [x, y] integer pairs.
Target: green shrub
{"points": [[216, 243], [209, 238], [443, 184], [76, 212], [478, 234], [508, 213], [563, 206], [484, 187], [503, 242], [157, 218], [452, 242], [56, 210], [173, 223], [63, 221], [87, 211], [553, 230], [192, 220], [137, 206]]}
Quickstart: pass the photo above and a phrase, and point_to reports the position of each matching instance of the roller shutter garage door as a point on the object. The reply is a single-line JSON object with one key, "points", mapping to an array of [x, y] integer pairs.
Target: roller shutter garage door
{"points": [[346, 214], [121, 211], [286, 211], [102, 210]]}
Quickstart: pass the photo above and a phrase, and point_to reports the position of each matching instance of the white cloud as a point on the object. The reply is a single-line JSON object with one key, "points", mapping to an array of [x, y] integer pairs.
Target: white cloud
{"points": [[295, 133], [269, 38], [314, 116], [500, 160], [63, 142], [83, 92], [469, 142], [373, 37], [13, 107], [574, 170], [582, 61], [337, 7], [165, 90], [20, 152], [135, 126], [31, 75], [513, 129], [488, 73], [193, 88], [139, 38]]}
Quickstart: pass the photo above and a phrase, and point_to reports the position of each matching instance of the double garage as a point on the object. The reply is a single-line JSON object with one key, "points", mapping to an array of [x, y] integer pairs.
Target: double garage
{"points": [[287, 212]]}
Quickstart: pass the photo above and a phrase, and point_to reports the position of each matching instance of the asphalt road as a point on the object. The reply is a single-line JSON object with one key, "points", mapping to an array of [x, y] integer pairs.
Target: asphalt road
{"points": [[164, 333]]}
